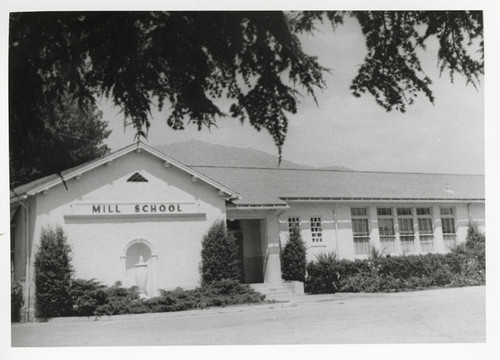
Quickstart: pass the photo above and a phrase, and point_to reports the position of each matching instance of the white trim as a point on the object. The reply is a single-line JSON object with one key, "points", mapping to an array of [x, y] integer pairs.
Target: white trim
{"points": [[353, 199]]}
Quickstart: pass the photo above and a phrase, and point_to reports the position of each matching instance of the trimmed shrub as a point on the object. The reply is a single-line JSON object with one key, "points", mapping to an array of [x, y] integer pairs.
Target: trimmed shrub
{"points": [[219, 255], [217, 293], [16, 301], [294, 257], [463, 266], [120, 300], [53, 273], [323, 275], [86, 296]]}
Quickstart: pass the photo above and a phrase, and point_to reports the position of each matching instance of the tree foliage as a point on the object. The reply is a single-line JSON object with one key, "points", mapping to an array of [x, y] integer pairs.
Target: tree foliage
{"points": [[294, 257], [68, 135], [53, 271], [219, 255], [189, 60]]}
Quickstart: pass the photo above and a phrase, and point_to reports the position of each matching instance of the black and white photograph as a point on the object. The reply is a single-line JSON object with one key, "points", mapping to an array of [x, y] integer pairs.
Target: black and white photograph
{"points": [[188, 178]]}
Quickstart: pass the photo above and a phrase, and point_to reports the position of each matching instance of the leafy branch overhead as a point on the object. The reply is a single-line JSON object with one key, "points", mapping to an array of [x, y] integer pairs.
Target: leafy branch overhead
{"points": [[189, 60]]}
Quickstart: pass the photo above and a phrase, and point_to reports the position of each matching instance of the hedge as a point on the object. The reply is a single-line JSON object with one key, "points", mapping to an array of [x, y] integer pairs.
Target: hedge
{"points": [[90, 298], [463, 266]]}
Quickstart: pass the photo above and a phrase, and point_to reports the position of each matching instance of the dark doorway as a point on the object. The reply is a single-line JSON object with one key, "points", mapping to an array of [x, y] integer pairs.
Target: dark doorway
{"points": [[248, 235]]}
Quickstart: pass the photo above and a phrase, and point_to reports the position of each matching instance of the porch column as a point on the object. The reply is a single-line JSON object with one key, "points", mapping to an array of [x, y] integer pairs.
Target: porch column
{"points": [[272, 272]]}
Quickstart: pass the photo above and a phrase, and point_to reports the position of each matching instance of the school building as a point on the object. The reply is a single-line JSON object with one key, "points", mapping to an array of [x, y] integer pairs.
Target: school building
{"points": [[138, 210]]}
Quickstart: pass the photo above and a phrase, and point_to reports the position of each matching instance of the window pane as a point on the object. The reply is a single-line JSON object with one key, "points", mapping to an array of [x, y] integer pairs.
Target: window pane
{"points": [[404, 211], [358, 212], [385, 227], [423, 211], [425, 226], [427, 242], [293, 222], [362, 246], [448, 225], [405, 226], [360, 227], [384, 211], [407, 244], [316, 231], [446, 211], [388, 244]]}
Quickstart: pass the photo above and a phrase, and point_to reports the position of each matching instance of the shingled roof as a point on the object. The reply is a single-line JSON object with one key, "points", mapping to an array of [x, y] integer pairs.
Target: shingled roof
{"points": [[276, 186], [265, 186]]}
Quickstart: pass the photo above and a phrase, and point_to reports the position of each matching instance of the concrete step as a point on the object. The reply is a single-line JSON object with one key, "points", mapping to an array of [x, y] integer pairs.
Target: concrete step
{"points": [[279, 291]]}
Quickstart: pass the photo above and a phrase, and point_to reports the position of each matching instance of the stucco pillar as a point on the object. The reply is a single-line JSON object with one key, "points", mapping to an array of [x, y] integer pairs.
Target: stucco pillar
{"points": [[272, 257], [438, 231], [375, 237]]}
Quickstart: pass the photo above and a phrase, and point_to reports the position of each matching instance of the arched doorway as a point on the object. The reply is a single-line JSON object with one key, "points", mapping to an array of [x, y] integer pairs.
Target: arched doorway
{"points": [[134, 251]]}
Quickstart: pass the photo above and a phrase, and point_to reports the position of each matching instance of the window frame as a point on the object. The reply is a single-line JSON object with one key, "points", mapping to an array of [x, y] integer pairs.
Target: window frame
{"points": [[361, 241], [317, 234], [293, 221], [406, 239], [449, 238], [386, 246], [425, 238]]}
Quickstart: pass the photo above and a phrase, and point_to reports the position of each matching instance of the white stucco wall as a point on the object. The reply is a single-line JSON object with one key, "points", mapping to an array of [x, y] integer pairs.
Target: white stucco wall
{"points": [[337, 225], [99, 243]]}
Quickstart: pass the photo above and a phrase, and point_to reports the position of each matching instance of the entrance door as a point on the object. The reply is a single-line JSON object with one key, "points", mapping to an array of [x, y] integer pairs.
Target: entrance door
{"points": [[248, 235]]}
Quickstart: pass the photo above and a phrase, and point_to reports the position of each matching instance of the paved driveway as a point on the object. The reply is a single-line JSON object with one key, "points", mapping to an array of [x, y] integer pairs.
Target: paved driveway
{"points": [[432, 316]]}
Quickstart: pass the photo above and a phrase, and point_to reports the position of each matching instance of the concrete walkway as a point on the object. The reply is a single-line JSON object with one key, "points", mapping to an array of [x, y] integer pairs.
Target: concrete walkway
{"points": [[431, 316]]}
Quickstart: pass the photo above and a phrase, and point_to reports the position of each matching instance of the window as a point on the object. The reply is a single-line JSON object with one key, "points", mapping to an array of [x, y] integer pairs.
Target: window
{"points": [[386, 230], [406, 232], [292, 223], [425, 231], [448, 226], [360, 231], [316, 230]]}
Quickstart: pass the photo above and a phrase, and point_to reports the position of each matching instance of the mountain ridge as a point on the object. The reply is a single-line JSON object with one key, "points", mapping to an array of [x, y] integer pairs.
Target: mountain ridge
{"points": [[202, 153]]}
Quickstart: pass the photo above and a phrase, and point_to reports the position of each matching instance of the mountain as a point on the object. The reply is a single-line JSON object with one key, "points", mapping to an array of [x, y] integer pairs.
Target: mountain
{"points": [[195, 152]]}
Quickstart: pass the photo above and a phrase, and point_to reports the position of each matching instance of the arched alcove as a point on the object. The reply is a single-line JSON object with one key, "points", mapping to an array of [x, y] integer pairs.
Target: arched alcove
{"points": [[131, 256], [134, 252]]}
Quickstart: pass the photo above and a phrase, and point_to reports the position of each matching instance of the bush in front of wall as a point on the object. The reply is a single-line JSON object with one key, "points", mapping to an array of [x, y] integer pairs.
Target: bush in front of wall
{"points": [[219, 255], [217, 293], [464, 265], [294, 257], [16, 301], [120, 300], [86, 296], [53, 273]]}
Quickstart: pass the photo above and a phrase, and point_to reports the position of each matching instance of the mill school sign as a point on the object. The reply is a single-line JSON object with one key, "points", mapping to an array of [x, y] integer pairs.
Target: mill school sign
{"points": [[134, 209]]}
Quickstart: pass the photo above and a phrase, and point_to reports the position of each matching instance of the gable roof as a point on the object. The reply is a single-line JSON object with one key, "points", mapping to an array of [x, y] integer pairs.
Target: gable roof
{"points": [[275, 186], [45, 183]]}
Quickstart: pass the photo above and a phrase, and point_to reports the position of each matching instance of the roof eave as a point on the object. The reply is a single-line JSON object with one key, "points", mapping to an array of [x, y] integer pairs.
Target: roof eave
{"points": [[379, 199], [231, 194]]}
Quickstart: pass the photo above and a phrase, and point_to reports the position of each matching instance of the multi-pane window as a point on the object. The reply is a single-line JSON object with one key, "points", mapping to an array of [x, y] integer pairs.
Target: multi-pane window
{"points": [[448, 226], [293, 222], [360, 231], [316, 230], [386, 230], [425, 231], [406, 231]]}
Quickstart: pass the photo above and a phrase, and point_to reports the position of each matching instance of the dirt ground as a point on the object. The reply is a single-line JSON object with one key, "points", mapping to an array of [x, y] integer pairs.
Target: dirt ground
{"points": [[431, 316]]}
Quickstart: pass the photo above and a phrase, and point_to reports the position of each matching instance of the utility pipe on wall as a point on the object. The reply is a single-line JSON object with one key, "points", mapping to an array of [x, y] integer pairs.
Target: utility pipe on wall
{"points": [[336, 229]]}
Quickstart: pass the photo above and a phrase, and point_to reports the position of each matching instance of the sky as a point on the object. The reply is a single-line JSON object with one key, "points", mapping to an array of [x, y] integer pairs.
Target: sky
{"points": [[447, 137]]}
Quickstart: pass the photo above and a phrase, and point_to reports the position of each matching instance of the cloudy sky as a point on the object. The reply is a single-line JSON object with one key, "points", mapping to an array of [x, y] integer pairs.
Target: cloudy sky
{"points": [[447, 137]]}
